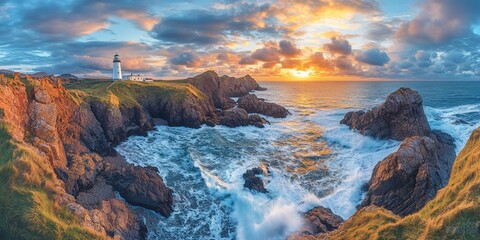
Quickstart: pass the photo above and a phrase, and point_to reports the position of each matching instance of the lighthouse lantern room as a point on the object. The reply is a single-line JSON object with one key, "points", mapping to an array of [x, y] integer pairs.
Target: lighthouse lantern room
{"points": [[117, 68]]}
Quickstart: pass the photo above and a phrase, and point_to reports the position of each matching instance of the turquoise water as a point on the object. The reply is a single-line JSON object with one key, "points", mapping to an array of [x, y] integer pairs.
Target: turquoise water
{"points": [[312, 158]]}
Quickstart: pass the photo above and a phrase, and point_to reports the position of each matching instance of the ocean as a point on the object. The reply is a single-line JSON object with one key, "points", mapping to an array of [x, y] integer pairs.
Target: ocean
{"points": [[313, 160]]}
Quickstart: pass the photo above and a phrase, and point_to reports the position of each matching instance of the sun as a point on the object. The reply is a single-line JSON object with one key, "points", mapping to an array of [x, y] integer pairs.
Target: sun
{"points": [[301, 73]]}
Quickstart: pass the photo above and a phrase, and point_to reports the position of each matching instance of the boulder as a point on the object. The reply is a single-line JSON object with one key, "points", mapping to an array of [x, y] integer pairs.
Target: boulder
{"points": [[399, 117], [321, 220], [252, 104], [406, 180], [239, 117], [252, 181], [139, 186]]}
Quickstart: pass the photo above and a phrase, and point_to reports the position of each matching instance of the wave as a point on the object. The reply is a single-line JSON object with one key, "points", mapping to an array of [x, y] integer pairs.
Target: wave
{"points": [[313, 161]]}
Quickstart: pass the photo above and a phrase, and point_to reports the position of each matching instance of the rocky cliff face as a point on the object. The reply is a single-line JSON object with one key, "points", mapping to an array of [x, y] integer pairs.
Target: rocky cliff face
{"points": [[399, 117], [220, 89], [74, 132], [73, 140], [407, 179]]}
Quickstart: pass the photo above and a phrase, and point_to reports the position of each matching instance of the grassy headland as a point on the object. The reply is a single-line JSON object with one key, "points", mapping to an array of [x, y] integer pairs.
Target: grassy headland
{"points": [[128, 93]]}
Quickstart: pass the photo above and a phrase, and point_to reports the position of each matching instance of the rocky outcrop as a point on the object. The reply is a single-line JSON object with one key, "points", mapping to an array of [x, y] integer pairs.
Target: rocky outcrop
{"points": [[317, 221], [238, 87], [139, 186], [252, 104], [73, 142], [239, 117], [192, 111], [407, 179], [253, 181], [399, 117], [75, 134], [220, 90]]}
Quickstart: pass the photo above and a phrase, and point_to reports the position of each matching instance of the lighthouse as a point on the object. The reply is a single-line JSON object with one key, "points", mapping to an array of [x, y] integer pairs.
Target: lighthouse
{"points": [[117, 68]]}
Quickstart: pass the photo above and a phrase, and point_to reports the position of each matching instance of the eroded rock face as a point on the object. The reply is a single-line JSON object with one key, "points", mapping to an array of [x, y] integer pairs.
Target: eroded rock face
{"points": [[252, 181], [220, 89], [74, 141], [319, 220], [239, 117], [399, 117], [139, 186], [406, 180], [322, 220], [117, 220], [252, 104]]}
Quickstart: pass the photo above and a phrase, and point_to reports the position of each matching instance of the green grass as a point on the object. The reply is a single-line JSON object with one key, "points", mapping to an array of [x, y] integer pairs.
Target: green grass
{"points": [[454, 213], [129, 93], [26, 207]]}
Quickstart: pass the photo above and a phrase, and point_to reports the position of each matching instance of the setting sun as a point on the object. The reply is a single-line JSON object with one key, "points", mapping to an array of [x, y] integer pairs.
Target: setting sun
{"points": [[301, 73]]}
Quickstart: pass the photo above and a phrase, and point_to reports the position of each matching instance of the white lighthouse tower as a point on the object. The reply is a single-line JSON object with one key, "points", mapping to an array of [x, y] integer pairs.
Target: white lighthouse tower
{"points": [[117, 68]]}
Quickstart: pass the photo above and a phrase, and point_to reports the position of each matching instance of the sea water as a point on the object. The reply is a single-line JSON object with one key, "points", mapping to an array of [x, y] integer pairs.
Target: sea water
{"points": [[312, 159]]}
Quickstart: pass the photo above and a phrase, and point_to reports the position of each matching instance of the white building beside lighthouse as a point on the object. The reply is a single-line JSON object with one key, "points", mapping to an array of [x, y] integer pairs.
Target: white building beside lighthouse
{"points": [[117, 68]]}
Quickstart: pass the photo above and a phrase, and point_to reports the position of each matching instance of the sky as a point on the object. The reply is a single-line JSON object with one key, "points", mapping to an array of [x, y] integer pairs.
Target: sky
{"points": [[268, 39]]}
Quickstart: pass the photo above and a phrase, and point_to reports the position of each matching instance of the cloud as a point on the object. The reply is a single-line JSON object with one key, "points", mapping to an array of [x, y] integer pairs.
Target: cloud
{"points": [[440, 21], [205, 27], [379, 31], [291, 63], [338, 45], [287, 48], [267, 54], [82, 17], [247, 60], [424, 58], [228, 57], [188, 59], [318, 61], [373, 56]]}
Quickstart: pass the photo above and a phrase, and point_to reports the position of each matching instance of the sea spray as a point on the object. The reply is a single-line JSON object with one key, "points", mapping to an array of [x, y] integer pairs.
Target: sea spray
{"points": [[313, 161]]}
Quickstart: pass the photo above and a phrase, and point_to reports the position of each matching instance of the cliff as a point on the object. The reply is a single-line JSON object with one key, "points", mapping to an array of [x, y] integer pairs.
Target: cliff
{"points": [[58, 162], [452, 214]]}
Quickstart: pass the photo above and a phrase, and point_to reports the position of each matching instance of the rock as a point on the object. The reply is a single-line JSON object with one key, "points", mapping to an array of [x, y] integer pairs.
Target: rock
{"points": [[116, 219], [406, 180], [238, 87], [399, 117], [461, 122], [68, 76], [234, 118], [317, 221], [239, 117], [221, 89], [252, 181], [93, 197], [39, 75], [257, 121], [252, 104], [139, 186]]}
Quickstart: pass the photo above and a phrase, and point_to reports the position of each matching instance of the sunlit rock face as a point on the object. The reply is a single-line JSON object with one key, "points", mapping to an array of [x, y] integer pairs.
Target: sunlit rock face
{"points": [[407, 179], [252, 104], [399, 117]]}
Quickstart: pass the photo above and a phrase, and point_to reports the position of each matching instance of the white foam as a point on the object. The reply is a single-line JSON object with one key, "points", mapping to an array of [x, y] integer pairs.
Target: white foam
{"points": [[205, 167]]}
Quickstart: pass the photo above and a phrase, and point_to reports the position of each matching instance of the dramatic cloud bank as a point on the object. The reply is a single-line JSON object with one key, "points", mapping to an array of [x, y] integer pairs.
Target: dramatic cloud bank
{"points": [[271, 39]]}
